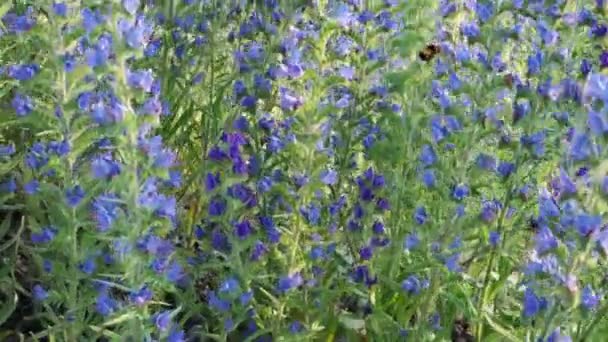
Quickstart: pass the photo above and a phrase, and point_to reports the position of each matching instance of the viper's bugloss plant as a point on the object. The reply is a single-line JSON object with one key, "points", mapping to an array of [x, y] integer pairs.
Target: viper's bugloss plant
{"points": [[291, 170]]}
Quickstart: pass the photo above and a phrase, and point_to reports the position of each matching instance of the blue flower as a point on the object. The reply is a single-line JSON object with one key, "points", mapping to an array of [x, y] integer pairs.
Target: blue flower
{"points": [[141, 296], [597, 123], [411, 285], [545, 240], [589, 300], [494, 238], [130, 6], [91, 19], [586, 224], [535, 62], [258, 250], [7, 150], [218, 303], [88, 266], [31, 187], [581, 147], [428, 178], [60, 9], [46, 235], [22, 104], [427, 156], [486, 162], [295, 327], [39, 293], [105, 304], [105, 166], [22, 72], [176, 335], [532, 303], [74, 195], [460, 192], [289, 282], [140, 79], [230, 285], [420, 215], [366, 252], [505, 169], [162, 320], [105, 210], [329, 177], [556, 336], [135, 32]]}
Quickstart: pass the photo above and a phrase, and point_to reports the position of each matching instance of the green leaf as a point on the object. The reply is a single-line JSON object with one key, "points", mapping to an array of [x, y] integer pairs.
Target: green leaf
{"points": [[352, 323], [8, 304], [6, 224], [508, 335]]}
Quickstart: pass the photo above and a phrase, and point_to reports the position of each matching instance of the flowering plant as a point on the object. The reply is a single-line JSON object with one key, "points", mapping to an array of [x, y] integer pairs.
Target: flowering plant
{"points": [[292, 170]]}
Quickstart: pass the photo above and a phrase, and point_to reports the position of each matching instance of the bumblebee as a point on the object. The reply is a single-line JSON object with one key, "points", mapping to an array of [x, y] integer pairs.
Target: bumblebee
{"points": [[429, 52]]}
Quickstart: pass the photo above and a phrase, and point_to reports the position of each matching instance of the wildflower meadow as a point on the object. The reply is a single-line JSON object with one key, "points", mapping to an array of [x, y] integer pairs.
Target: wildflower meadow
{"points": [[304, 170]]}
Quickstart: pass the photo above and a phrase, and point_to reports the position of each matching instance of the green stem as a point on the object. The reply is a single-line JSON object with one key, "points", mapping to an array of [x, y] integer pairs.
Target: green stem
{"points": [[600, 315]]}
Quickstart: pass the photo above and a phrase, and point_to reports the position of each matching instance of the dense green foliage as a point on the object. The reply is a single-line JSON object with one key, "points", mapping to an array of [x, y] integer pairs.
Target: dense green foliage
{"points": [[348, 170]]}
